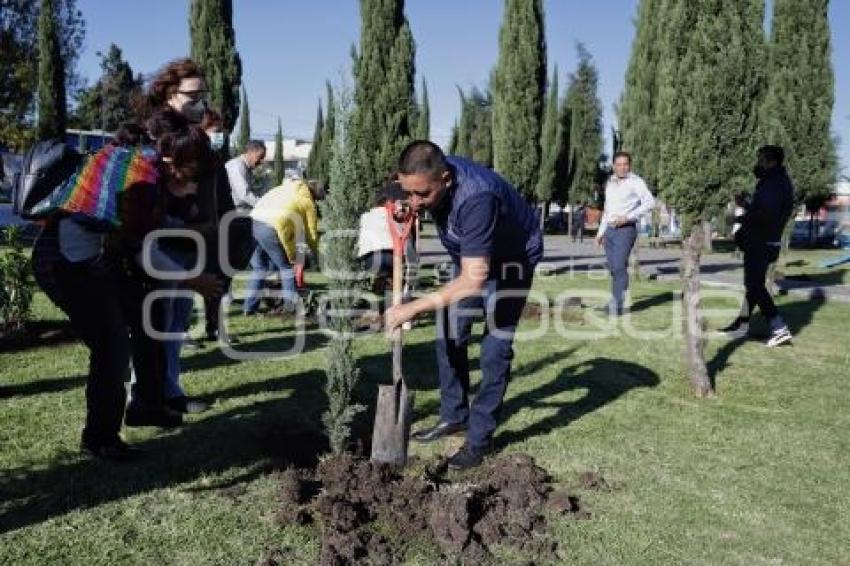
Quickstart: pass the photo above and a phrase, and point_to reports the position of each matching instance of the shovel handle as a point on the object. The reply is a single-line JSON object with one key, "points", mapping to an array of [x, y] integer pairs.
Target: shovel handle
{"points": [[398, 275]]}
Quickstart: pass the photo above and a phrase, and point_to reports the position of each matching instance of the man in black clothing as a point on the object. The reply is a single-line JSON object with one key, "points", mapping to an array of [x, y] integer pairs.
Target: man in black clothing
{"points": [[760, 238]]}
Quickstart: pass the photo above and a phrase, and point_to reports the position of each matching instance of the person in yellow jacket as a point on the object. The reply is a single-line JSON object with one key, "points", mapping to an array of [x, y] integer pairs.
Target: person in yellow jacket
{"points": [[278, 218]]}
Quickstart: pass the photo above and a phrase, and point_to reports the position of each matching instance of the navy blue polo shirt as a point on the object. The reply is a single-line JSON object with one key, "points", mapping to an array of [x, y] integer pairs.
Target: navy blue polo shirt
{"points": [[484, 215]]}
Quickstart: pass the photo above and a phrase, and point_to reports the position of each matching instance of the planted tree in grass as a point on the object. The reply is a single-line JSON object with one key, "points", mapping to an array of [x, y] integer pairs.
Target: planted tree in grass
{"points": [[710, 89], [797, 110], [341, 214], [52, 113], [519, 82]]}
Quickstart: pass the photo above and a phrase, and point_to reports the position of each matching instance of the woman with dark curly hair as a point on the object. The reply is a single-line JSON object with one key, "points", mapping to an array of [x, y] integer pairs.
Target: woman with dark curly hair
{"points": [[180, 86]]}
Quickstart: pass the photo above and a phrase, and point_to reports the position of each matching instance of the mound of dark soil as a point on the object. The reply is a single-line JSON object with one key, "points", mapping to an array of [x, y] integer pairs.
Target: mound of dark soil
{"points": [[371, 513]]}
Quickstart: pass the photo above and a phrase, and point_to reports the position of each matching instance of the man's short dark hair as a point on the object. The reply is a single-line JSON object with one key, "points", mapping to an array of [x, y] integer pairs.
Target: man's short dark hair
{"points": [[317, 188], [772, 153], [255, 146], [422, 158], [620, 154]]}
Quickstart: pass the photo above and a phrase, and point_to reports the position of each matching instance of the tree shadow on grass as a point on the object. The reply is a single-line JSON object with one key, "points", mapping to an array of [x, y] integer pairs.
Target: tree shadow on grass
{"points": [[653, 301], [605, 380], [40, 385], [264, 437], [257, 438], [797, 315]]}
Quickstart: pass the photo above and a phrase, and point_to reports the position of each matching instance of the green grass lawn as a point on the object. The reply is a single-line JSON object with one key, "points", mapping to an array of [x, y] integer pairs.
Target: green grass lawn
{"points": [[759, 475]]}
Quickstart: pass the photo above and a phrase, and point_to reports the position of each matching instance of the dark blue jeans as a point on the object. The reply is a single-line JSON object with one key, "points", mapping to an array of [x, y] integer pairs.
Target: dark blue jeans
{"points": [[618, 246], [502, 302], [269, 256]]}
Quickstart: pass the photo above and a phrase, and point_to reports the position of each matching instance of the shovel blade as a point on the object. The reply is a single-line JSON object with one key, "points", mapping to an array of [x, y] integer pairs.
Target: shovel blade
{"points": [[393, 416]]}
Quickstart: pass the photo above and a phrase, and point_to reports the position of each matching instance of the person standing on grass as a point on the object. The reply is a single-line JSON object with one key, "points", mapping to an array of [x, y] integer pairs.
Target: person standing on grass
{"points": [[493, 237], [760, 239], [627, 199]]}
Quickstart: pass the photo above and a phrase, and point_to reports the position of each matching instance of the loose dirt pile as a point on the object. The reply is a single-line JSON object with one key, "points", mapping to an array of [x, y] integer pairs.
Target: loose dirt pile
{"points": [[372, 513]]}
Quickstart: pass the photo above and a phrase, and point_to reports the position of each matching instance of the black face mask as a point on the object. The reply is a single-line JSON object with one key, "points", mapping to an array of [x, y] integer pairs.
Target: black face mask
{"points": [[760, 171], [193, 111]]}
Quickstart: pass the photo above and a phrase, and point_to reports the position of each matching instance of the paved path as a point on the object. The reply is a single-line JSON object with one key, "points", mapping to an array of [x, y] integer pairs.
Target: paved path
{"points": [[718, 269]]}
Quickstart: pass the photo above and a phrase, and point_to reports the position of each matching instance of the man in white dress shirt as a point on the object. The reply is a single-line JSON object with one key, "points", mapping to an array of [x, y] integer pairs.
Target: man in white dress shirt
{"points": [[626, 199], [240, 177]]}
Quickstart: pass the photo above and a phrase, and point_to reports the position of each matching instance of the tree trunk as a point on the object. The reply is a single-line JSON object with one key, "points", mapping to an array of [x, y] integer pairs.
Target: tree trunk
{"points": [[813, 231], [694, 326], [569, 215], [544, 209]]}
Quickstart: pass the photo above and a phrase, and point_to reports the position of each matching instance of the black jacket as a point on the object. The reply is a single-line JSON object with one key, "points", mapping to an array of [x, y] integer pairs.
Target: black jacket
{"points": [[771, 207]]}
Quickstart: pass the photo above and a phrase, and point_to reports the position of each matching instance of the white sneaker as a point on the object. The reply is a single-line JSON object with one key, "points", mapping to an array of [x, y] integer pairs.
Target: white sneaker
{"points": [[779, 336]]}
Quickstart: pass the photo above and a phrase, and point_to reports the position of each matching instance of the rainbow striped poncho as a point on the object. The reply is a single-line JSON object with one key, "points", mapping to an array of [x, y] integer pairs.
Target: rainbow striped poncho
{"points": [[94, 192]]}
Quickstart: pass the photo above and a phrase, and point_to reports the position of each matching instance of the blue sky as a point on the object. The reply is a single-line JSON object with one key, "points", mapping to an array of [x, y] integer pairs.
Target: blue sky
{"points": [[290, 47]]}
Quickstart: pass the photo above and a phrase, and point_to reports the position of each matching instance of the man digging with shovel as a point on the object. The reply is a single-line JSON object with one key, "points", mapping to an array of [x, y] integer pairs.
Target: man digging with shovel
{"points": [[493, 237]]}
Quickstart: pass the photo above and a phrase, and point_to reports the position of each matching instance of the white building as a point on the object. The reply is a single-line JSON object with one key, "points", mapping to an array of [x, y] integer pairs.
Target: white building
{"points": [[295, 154]]}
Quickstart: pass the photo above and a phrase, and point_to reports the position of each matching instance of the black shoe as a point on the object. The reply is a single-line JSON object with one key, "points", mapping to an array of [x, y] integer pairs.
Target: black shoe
{"points": [[187, 405], [115, 451], [163, 418], [466, 458], [740, 328], [442, 429]]}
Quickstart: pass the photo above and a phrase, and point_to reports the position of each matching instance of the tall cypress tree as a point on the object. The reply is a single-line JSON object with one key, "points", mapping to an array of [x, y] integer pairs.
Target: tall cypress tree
{"points": [[551, 145], [323, 166], [797, 110], [454, 139], [520, 80], [636, 112], [52, 111], [423, 128], [473, 134], [711, 87], [383, 95], [586, 139], [464, 127], [314, 160], [244, 123], [214, 49], [279, 168]]}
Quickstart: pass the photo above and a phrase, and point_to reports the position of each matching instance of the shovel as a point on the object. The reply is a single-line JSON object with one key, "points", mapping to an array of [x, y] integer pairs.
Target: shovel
{"points": [[394, 411]]}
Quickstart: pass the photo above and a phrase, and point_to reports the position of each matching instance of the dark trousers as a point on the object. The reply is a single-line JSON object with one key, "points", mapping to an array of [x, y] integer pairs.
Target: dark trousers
{"points": [[91, 297], [757, 260], [502, 301], [618, 246], [148, 354]]}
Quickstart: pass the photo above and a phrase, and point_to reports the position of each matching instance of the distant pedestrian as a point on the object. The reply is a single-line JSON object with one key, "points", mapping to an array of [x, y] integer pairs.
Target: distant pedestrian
{"points": [[579, 219]]}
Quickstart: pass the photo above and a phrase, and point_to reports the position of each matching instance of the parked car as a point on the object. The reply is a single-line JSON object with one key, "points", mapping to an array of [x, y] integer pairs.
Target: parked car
{"points": [[824, 237]]}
